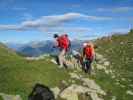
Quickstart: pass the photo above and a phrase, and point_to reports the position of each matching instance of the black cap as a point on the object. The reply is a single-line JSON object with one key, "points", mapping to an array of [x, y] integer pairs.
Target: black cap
{"points": [[66, 35], [55, 35]]}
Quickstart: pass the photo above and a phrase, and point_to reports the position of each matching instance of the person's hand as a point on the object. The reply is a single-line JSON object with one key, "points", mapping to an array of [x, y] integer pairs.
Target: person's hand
{"points": [[84, 59]]}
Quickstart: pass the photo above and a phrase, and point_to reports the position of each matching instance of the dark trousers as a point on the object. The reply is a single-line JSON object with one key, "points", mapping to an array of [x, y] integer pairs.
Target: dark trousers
{"points": [[87, 66]]}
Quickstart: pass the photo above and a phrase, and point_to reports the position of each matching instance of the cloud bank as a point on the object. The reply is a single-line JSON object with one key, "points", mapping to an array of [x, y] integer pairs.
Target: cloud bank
{"points": [[53, 22]]}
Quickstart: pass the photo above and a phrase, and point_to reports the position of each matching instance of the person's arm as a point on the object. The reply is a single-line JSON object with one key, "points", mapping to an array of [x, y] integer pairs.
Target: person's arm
{"points": [[56, 44], [83, 53]]}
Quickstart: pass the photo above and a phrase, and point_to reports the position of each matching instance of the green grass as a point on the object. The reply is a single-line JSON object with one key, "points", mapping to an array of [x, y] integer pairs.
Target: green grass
{"points": [[119, 51], [18, 76]]}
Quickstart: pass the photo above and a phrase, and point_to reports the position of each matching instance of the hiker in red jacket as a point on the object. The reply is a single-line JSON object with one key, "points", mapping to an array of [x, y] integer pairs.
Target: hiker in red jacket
{"points": [[88, 55], [63, 43]]}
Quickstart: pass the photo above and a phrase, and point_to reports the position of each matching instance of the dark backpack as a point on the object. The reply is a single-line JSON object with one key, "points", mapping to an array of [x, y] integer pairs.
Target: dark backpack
{"points": [[41, 92]]}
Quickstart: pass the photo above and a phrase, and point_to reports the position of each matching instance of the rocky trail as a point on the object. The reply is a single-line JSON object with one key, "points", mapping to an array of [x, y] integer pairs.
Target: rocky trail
{"points": [[81, 87]]}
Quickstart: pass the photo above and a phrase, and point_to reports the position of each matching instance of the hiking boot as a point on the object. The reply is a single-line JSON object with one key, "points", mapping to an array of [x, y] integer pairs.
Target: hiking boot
{"points": [[60, 66]]}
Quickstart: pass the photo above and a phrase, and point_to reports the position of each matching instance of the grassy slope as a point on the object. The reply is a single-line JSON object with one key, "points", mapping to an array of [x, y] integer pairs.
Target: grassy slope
{"points": [[119, 51], [18, 76]]}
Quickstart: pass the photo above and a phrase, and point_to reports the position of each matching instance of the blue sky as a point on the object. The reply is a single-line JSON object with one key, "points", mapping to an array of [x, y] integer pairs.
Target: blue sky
{"points": [[37, 20]]}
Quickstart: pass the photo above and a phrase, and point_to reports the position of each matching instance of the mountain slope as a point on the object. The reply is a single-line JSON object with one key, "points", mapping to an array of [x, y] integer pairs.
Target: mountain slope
{"points": [[18, 76], [7, 54], [38, 48], [118, 49]]}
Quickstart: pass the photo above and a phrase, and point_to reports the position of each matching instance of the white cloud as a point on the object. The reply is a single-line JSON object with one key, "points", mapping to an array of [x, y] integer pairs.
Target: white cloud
{"points": [[98, 18], [11, 27], [67, 30], [115, 9], [51, 22]]}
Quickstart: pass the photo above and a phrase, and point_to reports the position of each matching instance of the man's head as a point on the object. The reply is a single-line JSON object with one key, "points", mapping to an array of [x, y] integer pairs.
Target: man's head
{"points": [[66, 35], [90, 44], [56, 36]]}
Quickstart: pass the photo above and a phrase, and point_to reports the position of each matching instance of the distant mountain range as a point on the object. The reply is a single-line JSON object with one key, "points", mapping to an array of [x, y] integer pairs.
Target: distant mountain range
{"points": [[37, 48]]}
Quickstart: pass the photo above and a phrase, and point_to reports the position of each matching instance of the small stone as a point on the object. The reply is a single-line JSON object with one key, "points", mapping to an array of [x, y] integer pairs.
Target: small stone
{"points": [[100, 67], [113, 76], [131, 85], [129, 92], [99, 56], [106, 63], [117, 83], [94, 96], [56, 91], [73, 81], [64, 82], [10, 97], [123, 86], [123, 79], [113, 98], [74, 76], [53, 61], [107, 71]]}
